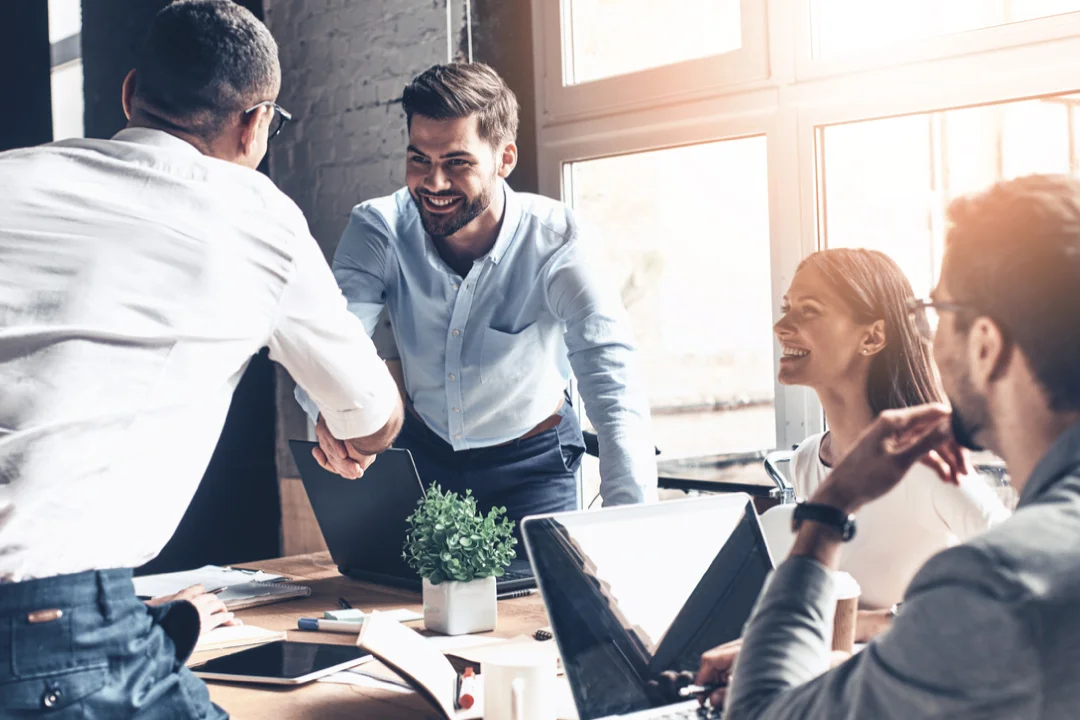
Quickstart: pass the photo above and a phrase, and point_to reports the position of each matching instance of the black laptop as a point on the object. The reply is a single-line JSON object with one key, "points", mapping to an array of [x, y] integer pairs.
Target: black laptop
{"points": [[635, 591], [363, 521]]}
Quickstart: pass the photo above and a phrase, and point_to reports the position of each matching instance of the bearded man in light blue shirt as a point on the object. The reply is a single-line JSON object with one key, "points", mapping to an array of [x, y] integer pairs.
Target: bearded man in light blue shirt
{"points": [[493, 300]]}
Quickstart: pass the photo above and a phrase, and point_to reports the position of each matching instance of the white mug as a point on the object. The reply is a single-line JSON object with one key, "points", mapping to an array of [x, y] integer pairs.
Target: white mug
{"points": [[519, 686]]}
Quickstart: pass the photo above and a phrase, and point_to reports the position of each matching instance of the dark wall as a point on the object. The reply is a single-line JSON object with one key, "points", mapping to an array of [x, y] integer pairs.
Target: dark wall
{"points": [[236, 513], [25, 93]]}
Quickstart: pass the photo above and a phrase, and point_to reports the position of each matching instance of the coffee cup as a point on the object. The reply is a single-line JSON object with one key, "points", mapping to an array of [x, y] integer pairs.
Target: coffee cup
{"points": [[519, 685], [847, 612]]}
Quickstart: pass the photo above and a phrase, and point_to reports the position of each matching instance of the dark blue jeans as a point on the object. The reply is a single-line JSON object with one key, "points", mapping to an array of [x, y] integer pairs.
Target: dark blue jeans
{"points": [[527, 477], [104, 655]]}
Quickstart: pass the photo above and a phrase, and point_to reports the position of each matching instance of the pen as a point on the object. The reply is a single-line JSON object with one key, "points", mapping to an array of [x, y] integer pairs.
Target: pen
{"points": [[514, 594], [466, 689], [339, 626], [217, 590]]}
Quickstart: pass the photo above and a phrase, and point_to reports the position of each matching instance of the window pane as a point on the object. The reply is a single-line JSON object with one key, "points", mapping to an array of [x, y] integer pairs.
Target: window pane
{"points": [[888, 182], [65, 19], [846, 26], [67, 100], [615, 37], [686, 239]]}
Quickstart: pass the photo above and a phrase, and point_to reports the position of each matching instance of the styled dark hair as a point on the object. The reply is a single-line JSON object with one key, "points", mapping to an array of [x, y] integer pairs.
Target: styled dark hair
{"points": [[1013, 255], [875, 288], [457, 90], [202, 62]]}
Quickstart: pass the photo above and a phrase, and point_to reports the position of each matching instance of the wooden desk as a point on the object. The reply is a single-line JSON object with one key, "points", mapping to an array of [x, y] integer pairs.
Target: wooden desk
{"points": [[327, 701]]}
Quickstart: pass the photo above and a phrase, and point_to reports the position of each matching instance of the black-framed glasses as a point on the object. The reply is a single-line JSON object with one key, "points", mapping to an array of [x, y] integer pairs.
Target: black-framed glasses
{"points": [[931, 310], [278, 122]]}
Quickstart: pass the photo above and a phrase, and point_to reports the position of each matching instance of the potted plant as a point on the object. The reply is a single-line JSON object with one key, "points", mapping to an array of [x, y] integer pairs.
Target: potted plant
{"points": [[458, 552]]}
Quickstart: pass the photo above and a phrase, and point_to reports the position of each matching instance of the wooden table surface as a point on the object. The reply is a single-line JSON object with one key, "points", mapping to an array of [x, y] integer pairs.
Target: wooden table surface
{"points": [[327, 701]]}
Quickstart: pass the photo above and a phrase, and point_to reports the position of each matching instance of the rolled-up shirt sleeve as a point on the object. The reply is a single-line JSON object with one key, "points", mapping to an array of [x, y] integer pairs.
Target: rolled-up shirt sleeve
{"points": [[962, 647], [605, 361], [327, 350]]}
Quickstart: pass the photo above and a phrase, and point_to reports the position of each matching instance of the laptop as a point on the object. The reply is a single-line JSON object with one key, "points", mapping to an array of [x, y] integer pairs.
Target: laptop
{"points": [[634, 591], [364, 521]]}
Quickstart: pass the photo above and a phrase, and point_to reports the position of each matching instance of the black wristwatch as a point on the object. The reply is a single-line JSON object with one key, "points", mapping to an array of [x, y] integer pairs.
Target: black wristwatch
{"points": [[826, 515]]}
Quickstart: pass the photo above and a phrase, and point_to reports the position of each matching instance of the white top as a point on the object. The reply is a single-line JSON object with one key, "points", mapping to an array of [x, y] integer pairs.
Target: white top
{"points": [[897, 533], [137, 278]]}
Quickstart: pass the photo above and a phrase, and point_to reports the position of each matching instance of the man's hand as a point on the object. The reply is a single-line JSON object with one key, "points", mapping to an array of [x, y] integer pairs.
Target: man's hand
{"points": [[894, 442], [212, 612], [339, 456], [717, 666]]}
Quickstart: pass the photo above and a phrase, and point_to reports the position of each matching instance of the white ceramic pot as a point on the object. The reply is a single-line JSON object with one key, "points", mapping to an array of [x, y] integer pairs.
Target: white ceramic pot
{"points": [[458, 608]]}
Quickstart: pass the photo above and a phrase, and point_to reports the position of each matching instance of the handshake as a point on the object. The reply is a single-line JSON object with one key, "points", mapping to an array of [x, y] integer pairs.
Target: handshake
{"points": [[350, 458]]}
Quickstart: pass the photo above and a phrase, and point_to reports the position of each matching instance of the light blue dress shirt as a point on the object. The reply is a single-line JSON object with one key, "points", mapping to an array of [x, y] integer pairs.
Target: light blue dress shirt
{"points": [[486, 357]]}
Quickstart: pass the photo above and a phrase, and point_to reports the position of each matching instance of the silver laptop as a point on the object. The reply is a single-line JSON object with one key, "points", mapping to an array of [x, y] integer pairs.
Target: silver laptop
{"points": [[635, 591]]}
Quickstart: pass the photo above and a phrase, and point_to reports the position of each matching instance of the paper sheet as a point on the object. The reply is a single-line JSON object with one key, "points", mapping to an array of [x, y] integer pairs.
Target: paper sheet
{"points": [[351, 677], [210, 577], [236, 636]]}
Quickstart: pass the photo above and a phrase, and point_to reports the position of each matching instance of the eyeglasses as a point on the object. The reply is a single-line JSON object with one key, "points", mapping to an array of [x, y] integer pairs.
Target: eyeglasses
{"points": [[280, 119], [925, 313]]}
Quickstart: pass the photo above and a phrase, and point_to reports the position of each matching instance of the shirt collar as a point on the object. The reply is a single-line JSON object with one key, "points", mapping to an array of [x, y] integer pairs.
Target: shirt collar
{"points": [[1063, 456], [511, 220], [154, 138], [512, 214]]}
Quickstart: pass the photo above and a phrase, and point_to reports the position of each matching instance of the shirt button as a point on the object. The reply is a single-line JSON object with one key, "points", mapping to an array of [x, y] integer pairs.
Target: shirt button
{"points": [[457, 436], [452, 376], [455, 286], [456, 333], [457, 410]]}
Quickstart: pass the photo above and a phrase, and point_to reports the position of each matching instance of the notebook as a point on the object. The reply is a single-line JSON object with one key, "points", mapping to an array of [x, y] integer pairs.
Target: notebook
{"points": [[243, 588]]}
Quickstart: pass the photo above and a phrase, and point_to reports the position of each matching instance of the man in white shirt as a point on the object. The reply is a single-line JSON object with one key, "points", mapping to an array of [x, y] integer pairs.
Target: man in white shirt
{"points": [[137, 277]]}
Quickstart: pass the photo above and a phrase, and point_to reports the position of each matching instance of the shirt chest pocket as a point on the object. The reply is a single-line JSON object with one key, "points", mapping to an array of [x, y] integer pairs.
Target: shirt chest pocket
{"points": [[508, 357]]}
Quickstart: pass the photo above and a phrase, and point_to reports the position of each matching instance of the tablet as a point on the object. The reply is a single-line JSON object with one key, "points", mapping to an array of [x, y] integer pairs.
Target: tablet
{"points": [[281, 663]]}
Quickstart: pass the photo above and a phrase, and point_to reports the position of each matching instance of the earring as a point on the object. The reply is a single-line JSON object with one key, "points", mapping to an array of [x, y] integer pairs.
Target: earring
{"points": [[865, 351]]}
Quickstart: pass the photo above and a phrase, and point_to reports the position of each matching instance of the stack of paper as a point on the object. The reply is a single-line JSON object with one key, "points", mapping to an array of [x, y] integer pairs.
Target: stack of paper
{"points": [[210, 577]]}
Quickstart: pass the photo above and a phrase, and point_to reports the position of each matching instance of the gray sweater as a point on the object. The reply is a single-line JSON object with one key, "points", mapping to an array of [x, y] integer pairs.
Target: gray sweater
{"points": [[989, 629]]}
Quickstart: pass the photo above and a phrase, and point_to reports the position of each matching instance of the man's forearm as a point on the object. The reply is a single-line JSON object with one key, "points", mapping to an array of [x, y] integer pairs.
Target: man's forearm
{"points": [[382, 438]]}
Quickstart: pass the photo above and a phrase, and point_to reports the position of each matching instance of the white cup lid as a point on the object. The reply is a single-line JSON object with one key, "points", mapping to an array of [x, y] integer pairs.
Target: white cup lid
{"points": [[847, 587]]}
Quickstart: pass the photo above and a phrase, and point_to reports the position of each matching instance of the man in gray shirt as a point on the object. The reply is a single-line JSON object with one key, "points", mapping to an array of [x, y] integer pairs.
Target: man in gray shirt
{"points": [[991, 628]]}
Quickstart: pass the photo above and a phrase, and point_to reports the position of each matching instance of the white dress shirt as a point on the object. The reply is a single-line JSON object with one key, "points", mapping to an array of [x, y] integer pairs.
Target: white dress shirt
{"points": [[897, 533], [137, 278]]}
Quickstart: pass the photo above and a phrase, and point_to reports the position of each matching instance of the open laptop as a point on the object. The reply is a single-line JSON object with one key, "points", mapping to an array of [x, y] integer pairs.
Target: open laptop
{"points": [[364, 521], [635, 591]]}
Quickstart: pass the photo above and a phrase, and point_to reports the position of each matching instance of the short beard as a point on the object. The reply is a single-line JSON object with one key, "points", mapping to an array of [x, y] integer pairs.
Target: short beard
{"points": [[970, 415], [443, 226]]}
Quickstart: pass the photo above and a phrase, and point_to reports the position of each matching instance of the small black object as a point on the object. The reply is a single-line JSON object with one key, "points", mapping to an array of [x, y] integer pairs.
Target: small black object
{"points": [[543, 635], [828, 515], [345, 604]]}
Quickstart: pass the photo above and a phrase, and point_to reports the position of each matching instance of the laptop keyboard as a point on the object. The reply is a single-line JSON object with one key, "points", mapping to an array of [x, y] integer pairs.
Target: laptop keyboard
{"points": [[516, 575]]}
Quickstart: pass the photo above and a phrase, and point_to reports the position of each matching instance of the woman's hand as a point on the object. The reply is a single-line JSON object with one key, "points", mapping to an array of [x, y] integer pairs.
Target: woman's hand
{"points": [[212, 612]]}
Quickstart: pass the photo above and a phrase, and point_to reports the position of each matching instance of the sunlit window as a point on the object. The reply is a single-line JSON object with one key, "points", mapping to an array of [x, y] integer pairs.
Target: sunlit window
{"points": [[65, 27], [616, 37], [888, 182], [842, 27], [686, 239]]}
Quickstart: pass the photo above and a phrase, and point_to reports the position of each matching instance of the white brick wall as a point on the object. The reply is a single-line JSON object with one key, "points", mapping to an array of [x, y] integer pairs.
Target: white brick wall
{"points": [[344, 64]]}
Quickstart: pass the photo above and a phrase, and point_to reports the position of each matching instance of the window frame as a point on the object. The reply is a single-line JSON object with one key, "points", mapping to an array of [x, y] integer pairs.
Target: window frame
{"points": [[681, 81], [789, 105]]}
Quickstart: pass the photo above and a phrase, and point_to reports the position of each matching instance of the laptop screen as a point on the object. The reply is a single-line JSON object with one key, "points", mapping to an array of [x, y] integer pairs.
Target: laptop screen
{"points": [[634, 591]]}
